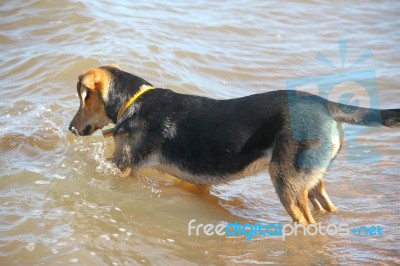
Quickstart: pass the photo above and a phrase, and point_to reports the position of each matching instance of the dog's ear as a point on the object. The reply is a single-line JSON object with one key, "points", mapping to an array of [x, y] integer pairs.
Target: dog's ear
{"points": [[90, 78], [81, 90], [97, 80]]}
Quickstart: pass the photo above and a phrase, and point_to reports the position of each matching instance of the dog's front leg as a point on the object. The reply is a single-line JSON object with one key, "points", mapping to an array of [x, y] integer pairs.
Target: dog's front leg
{"points": [[122, 163], [122, 157]]}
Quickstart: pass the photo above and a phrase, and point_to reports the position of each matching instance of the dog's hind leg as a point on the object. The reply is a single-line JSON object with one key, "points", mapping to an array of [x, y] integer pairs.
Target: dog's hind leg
{"points": [[293, 195], [320, 199], [297, 167], [302, 204]]}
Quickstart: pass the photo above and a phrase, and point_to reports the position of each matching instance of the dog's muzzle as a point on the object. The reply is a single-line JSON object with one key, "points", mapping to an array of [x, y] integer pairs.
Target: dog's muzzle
{"points": [[73, 130]]}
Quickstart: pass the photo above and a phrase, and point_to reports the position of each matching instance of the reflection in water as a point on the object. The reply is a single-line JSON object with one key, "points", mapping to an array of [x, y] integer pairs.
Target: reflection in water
{"points": [[61, 201]]}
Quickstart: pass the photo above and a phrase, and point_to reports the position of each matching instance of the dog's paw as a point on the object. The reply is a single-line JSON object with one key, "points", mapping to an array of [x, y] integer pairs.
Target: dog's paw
{"points": [[126, 172]]}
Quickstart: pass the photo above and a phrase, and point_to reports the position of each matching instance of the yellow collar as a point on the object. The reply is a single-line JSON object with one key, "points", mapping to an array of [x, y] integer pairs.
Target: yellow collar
{"points": [[110, 131]]}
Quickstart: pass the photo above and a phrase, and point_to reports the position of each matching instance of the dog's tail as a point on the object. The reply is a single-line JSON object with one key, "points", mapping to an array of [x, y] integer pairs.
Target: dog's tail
{"points": [[364, 116]]}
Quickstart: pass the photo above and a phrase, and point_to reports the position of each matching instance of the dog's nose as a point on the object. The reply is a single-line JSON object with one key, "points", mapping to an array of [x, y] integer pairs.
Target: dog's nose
{"points": [[73, 129]]}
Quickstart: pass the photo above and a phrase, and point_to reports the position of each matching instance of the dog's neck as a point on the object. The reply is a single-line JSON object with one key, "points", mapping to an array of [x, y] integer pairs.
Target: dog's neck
{"points": [[111, 131], [123, 86], [116, 109]]}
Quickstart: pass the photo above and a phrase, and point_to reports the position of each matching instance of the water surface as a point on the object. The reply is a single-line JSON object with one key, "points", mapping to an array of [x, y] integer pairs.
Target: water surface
{"points": [[61, 202]]}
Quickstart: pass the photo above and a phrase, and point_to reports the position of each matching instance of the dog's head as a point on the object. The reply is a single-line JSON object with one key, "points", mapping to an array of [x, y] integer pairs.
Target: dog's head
{"points": [[92, 88], [102, 91]]}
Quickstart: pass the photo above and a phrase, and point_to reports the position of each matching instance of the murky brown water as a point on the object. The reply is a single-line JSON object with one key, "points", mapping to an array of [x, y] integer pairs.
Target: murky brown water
{"points": [[60, 202]]}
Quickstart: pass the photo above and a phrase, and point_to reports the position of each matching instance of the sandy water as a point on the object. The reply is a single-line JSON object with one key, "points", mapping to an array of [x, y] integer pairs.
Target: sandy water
{"points": [[62, 203]]}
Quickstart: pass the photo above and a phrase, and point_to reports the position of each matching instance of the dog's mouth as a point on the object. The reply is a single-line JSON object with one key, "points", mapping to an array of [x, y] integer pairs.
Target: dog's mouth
{"points": [[87, 131]]}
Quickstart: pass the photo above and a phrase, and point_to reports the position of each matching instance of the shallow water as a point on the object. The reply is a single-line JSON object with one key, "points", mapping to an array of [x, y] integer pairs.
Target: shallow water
{"points": [[61, 202]]}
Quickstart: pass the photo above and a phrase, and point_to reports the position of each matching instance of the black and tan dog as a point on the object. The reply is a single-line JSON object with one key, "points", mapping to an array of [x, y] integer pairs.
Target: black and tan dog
{"points": [[205, 141]]}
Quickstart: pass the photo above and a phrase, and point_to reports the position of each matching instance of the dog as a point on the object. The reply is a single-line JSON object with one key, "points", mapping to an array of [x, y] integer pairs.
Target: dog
{"points": [[292, 135]]}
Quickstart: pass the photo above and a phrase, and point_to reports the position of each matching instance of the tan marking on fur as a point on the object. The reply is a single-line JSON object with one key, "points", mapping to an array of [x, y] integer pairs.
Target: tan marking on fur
{"points": [[260, 165], [144, 86], [294, 211], [316, 204], [126, 172], [126, 149], [317, 174], [97, 80], [299, 210], [320, 199], [155, 161], [115, 66], [303, 205], [254, 168]]}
